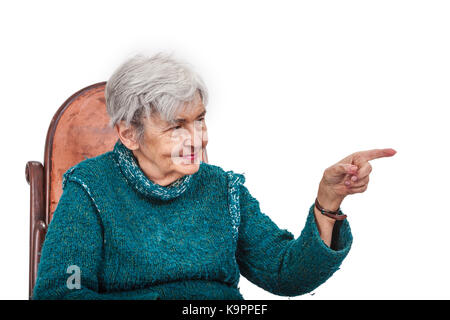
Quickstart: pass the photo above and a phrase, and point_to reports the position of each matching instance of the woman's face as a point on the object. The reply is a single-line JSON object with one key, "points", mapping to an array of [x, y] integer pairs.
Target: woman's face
{"points": [[170, 150]]}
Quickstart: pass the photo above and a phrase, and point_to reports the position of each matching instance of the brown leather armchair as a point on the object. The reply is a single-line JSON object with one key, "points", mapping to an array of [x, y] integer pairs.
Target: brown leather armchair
{"points": [[78, 130]]}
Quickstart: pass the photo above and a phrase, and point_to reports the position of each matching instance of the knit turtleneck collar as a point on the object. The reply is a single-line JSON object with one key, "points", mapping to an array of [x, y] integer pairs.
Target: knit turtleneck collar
{"points": [[136, 177]]}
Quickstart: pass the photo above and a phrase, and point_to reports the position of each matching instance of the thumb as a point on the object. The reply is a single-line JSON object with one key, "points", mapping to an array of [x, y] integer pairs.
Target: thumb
{"points": [[343, 168]]}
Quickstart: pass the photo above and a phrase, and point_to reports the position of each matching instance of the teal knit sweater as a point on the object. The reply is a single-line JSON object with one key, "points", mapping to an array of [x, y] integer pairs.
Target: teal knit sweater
{"points": [[130, 238]]}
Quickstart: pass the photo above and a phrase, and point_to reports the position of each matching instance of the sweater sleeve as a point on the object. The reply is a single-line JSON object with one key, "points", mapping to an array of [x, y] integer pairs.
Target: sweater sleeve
{"points": [[75, 238], [274, 260]]}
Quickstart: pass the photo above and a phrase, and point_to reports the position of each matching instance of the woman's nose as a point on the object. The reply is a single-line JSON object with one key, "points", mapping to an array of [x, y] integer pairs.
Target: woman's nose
{"points": [[193, 136]]}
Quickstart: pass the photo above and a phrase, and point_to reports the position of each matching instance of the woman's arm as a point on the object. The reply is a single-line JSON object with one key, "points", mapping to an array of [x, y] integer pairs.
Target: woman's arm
{"points": [[75, 238], [271, 258], [325, 224]]}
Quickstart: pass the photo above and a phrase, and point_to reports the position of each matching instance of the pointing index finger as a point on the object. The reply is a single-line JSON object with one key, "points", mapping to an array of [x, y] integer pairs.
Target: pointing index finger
{"points": [[377, 153]]}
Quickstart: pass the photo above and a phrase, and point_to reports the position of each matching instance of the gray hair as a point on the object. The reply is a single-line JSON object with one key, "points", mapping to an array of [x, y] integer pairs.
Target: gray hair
{"points": [[143, 85]]}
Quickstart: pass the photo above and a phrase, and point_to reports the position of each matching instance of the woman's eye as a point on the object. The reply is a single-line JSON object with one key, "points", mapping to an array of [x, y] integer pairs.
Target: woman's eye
{"points": [[177, 127]]}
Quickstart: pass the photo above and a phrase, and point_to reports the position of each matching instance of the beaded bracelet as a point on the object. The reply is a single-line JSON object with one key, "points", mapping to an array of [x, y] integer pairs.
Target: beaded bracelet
{"points": [[337, 215]]}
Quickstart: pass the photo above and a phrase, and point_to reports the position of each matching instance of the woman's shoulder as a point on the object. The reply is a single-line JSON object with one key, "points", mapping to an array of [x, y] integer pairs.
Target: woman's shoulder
{"points": [[215, 172], [97, 168], [211, 169]]}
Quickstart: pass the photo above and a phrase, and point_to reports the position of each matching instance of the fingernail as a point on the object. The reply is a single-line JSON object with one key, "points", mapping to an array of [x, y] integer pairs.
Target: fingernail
{"points": [[347, 183], [354, 178], [354, 167]]}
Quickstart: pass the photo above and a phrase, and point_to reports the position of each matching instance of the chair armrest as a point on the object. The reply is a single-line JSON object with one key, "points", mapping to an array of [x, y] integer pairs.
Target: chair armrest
{"points": [[34, 173]]}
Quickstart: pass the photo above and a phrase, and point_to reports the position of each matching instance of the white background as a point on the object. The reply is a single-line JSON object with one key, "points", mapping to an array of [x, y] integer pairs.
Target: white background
{"points": [[294, 88]]}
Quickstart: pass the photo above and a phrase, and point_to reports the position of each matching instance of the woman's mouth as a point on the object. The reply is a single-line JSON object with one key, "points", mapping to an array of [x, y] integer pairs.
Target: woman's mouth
{"points": [[190, 157]]}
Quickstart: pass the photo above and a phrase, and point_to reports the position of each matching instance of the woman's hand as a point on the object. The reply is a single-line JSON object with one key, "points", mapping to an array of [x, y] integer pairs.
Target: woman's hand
{"points": [[348, 176]]}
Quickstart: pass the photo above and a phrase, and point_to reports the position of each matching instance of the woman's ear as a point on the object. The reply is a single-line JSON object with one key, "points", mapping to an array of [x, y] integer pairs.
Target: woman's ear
{"points": [[127, 135]]}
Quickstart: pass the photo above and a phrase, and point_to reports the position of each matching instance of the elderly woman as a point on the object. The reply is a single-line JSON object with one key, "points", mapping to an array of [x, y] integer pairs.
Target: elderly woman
{"points": [[150, 220]]}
